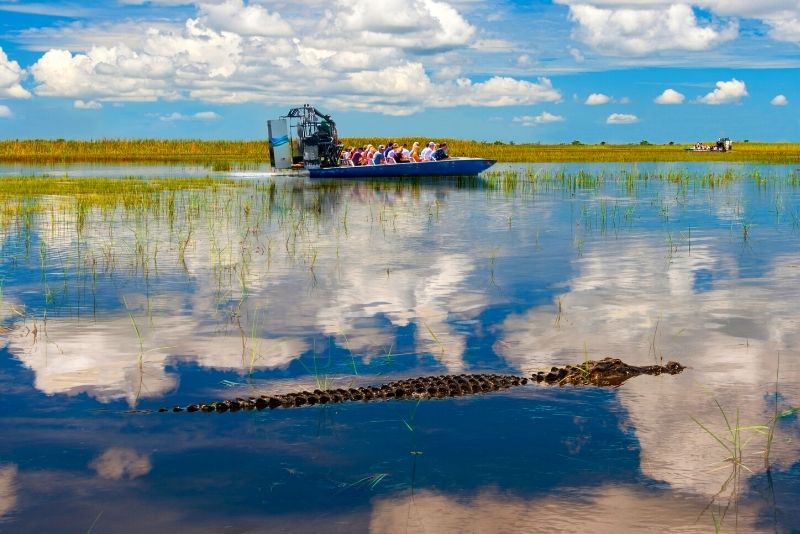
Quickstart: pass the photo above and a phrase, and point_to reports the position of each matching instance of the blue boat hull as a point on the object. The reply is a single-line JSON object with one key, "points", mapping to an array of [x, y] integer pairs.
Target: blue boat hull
{"points": [[448, 167]]}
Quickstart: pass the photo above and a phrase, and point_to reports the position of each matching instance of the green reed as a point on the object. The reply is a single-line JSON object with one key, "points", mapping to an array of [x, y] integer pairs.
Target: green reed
{"points": [[631, 180], [128, 190]]}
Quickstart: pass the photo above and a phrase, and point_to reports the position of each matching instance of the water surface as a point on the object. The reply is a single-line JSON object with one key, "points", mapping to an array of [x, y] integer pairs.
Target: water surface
{"points": [[269, 284]]}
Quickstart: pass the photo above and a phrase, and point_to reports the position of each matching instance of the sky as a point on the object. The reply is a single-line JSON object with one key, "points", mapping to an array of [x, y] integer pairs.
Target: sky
{"points": [[619, 71]]}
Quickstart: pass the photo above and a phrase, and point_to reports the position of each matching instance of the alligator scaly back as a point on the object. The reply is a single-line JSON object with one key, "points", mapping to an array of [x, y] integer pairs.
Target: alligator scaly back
{"points": [[606, 372]]}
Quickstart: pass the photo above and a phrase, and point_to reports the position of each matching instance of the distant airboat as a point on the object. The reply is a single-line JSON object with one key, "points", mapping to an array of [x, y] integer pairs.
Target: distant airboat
{"points": [[723, 144]]}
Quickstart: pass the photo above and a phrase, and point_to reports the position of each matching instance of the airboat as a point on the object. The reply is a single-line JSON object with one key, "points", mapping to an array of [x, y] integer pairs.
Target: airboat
{"points": [[723, 144], [317, 150]]}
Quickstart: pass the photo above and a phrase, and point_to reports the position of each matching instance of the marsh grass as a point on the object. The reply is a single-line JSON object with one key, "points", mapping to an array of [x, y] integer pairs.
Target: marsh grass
{"points": [[223, 155], [351, 354], [568, 153], [94, 523], [254, 342], [734, 442], [130, 192], [559, 311], [135, 227], [532, 180], [320, 373], [433, 335], [369, 482], [387, 360], [776, 418], [219, 154]]}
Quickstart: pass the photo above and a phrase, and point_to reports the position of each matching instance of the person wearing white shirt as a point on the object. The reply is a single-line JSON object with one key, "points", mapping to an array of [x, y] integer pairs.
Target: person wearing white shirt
{"points": [[427, 152]]}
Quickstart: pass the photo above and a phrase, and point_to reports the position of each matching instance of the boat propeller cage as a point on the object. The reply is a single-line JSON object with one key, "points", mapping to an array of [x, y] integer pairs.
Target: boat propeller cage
{"points": [[318, 140]]}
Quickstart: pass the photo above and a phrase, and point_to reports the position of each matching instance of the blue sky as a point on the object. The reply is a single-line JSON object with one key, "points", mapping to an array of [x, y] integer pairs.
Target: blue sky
{"points": [[539, 71]]}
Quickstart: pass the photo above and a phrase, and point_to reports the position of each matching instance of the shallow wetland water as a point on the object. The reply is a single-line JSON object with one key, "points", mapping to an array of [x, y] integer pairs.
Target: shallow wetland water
{"points": [[119, 300]]}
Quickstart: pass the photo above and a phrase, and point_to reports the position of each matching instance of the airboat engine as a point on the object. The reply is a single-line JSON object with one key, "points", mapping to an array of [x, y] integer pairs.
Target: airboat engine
{"points": [[724, 144], [317, 140]]}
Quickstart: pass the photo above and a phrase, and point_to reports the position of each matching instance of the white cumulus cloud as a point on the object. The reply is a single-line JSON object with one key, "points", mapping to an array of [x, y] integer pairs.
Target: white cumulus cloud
{"points": [[639, 28], [643, 26], [235, 16], [397, 92], [235, 51], [785, 26], [525, 60], [156, 2], [729, 92], [493, 45], [206, 116], [169, 61], [5, 112], [670, 96], [781, 16], [87, 104], [421, 25], [501, 91], [576, 54], [116, 73], [597, 99], [779, 100], [543, 118], [200, 116], [197, 49], [621, 118], [10, 77]]}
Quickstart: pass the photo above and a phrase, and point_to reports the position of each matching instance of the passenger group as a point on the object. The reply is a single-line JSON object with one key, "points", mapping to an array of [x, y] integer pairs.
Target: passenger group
{"points": [[392, 153]]}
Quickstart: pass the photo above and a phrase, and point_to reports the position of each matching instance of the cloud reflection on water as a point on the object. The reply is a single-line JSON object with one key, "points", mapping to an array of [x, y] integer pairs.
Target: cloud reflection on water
{"points": [[373, 263], [117, 463], [632, 303], [102, 358], [246, 300], [8, 489], [604, 510]]}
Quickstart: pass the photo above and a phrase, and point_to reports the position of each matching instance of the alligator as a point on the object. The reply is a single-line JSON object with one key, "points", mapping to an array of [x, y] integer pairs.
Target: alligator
{"points": [[608, 372]]}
